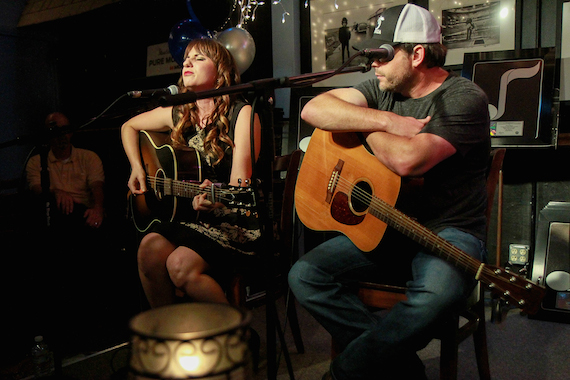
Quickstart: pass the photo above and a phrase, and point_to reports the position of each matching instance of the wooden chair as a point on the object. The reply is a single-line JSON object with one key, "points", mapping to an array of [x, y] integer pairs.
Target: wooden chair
{"points": [[273, 279], [452, 333]]}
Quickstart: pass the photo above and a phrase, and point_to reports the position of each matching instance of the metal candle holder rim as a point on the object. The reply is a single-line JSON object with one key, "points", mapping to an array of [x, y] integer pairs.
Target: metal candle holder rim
{"points": [[145, 324]]}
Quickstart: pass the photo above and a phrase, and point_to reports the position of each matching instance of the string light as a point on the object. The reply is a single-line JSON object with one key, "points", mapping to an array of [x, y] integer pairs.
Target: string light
{"points": [[285, 13], [247, 9]]}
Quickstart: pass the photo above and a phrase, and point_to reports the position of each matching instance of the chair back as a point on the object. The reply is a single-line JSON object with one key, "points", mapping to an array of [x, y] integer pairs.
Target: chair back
{"points": [[286, 229], [493, 175]]}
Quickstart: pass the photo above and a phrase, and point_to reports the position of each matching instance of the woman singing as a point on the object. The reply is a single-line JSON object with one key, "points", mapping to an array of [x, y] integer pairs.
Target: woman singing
{"points": [[189, 255]]}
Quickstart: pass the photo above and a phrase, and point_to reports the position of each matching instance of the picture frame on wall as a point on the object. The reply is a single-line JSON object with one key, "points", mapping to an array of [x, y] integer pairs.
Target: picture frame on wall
{"points": [[563, 45], [520, 88], [475, 26], [326, 46]]}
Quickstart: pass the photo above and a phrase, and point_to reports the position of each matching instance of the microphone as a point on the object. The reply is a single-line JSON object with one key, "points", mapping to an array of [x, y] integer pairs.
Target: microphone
{"points": [[170, 90], [384, 53]]}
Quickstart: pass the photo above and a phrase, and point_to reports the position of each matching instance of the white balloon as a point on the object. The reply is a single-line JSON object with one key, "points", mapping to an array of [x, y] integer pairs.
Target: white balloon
{"points": [[240, 44]]}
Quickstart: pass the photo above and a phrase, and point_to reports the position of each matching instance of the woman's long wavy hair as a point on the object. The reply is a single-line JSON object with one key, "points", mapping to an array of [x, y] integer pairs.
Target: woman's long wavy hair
{"points": [[217, 124]]}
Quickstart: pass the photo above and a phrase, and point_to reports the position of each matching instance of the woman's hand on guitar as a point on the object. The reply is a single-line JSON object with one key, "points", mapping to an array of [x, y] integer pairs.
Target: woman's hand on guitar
{"points": [[201, 202], [137, 181]]}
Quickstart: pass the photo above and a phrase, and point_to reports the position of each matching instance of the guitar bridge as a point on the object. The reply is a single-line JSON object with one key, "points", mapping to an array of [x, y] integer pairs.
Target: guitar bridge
{"points": [[335, 175]]}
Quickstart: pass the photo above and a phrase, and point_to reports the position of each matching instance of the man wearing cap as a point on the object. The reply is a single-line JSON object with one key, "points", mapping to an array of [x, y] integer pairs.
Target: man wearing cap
{"points": [[419, 120]]}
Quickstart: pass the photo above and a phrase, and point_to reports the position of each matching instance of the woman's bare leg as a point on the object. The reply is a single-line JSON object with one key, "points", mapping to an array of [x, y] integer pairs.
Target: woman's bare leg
{"points": [[187, 272], [152, 255]]}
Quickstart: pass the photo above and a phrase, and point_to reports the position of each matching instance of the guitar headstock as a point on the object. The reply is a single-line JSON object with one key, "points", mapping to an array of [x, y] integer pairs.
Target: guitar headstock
{"points": [[514, 289], [238, 196]]}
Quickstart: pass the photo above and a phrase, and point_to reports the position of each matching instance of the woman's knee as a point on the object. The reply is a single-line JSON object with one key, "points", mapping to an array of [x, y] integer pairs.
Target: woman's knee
{"points": [[153, 252], [184, 267]]}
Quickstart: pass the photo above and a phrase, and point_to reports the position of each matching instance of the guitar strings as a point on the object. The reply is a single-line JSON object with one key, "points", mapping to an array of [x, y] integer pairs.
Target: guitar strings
{"points": [[188, 189], [401, 222]]}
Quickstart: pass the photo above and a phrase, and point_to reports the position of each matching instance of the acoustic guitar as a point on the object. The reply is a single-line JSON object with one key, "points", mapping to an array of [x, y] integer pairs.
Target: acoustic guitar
{"points": [[173, 180], [343, 187]]}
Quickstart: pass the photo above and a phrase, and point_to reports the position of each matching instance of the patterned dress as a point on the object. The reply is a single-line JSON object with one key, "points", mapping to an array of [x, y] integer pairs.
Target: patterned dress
{"points": [[224, 234]]}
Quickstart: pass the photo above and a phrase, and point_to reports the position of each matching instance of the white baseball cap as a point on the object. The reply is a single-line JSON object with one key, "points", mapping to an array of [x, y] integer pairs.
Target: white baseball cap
{"points": [[404, 23]]}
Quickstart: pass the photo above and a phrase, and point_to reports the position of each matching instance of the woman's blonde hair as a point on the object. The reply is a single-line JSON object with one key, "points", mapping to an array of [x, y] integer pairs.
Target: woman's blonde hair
{"points": [[217, 124]]}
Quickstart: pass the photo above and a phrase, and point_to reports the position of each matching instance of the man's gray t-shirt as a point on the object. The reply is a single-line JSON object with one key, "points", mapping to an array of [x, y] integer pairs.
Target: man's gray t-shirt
{"points": [[454, 192]]}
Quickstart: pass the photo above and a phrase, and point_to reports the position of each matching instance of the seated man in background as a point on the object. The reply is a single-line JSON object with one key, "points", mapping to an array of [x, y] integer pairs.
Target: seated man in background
{"points": [[76, 178], [69, 252]]}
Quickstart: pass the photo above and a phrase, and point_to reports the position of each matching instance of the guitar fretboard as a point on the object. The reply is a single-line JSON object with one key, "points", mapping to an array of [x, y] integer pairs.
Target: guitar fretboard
{"points": [[183, 189], [497, 279]]}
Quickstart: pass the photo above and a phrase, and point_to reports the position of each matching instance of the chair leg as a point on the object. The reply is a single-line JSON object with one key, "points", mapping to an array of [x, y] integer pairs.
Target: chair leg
{"points": [[481, 352], [294, 322], [273, 327], [236, 291], [449, 354]]}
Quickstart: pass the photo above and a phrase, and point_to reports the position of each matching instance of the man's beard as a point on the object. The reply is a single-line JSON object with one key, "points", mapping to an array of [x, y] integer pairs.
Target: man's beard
{"points": [[398, 84]]}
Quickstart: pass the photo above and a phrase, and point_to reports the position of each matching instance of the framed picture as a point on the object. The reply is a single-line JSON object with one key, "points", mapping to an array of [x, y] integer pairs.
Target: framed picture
{"points": [[520, 87], [564, 49], [335, 31], [475, 26]]}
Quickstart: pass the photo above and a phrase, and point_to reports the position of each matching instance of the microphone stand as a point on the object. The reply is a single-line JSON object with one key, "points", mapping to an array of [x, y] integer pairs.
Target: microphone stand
{"points": [[261, 85], [263, 91]]}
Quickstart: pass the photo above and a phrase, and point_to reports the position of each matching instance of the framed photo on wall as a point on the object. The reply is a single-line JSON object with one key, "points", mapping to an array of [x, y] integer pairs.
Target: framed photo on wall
{"points": [[475, 26], [520, 88], [563, 42], [330, 27]]}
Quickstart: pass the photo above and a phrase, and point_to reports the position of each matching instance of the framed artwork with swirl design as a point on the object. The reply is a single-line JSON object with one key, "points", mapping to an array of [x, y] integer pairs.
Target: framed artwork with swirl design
{"points": [[520, 87]]}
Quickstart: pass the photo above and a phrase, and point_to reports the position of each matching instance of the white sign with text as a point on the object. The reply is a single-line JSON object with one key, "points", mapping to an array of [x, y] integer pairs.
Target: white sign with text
{"points": [[159, 61]]}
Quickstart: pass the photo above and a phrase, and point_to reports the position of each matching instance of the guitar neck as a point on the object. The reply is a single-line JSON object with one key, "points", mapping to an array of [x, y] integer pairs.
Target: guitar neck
{"points": [[422, 235], [525, 294], [231, 196], [183, 189]]}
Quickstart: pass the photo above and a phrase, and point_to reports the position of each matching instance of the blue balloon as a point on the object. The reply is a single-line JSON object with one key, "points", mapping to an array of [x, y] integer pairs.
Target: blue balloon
{"points": [[181, 34]]}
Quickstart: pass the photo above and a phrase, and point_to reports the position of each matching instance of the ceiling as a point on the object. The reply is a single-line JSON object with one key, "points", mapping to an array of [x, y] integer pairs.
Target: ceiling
{"points": [[38, 11]]}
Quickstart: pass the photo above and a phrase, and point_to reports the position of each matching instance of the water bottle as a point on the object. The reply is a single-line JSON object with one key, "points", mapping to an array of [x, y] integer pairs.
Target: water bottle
{"points": [[42, 358]]}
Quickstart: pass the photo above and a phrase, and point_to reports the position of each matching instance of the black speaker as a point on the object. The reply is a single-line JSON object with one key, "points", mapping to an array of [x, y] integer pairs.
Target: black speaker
{"points": [[551, 263]]}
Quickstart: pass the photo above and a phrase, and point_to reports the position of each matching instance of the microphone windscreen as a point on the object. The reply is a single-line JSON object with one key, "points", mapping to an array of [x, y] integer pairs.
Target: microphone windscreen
{"points": [[173, 89]]}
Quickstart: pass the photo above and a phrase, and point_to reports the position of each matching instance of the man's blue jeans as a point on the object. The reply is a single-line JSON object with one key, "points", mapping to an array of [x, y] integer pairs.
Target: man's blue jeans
{"points": [[321, 282]]}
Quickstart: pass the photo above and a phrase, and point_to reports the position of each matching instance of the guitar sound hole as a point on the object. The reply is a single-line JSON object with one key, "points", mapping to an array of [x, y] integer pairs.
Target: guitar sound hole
{"points": [[360, 197]]}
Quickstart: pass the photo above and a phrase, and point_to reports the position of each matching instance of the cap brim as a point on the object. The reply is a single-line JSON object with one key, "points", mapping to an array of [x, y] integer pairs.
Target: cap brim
{"points": [[372, 43]]}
